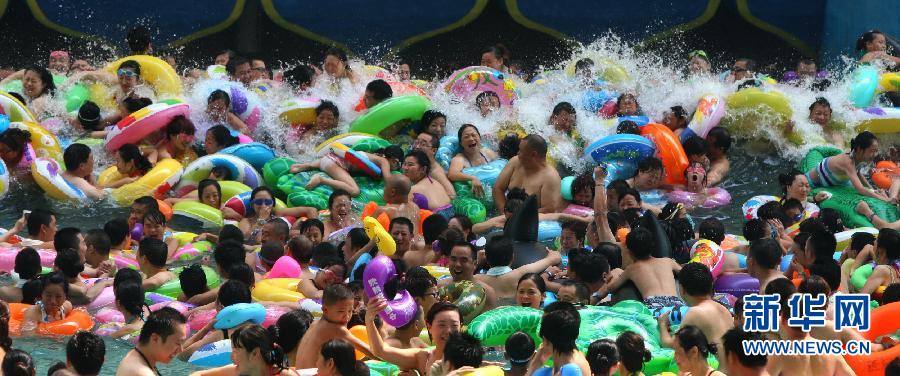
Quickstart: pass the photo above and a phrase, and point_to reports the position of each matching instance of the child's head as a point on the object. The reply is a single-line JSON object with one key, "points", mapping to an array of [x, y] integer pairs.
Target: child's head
{"points": [[712, 229], [338, 358], [192, 280], [89, 116], [602, 356], [269, 253], [68, 263], [210, 192], [337, 304], [588, 268], [79, 160], [695, 175], [301, 248], [793, 209], [641, 243], [152, 252], [573, 292], [233, 292], [860, 240], [572, 235], [462, 350], [140, 207], [519, 349], [695, 148], [313, 229], [54, 291], [628, 127], [718, 141], [872, 40], [28, 264], [696, 280], [126, 275], [154, 225], [755, 229], [98, 243], [499, 251]]}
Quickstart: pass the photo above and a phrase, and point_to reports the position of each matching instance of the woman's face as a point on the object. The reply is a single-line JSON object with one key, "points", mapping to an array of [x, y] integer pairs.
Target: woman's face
{"points": [[209, 144], [628, 106], [878, 43], [262, 200], [489, 60], [799, 188], [413, 170], [326, 120], [470, 139], [648, 179], [444, 323], [628, 202], [334, 66], [314, 235], [128, 79], [216, 109], [870, 152], [243, 360], [53, 297], [564, 121], [32, 84], [325, 366], [211, 196], [340, 207], [583, 197], [122, 167], [528, 295], [672, 121], [820, 115], [437, 127], [681, 356], [182, 141]]}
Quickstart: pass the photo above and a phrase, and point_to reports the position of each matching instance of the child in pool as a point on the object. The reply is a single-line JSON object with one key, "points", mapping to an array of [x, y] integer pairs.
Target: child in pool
{"points": [[218, 108], [27, 267], [79, 161], [151, 257], [68, 263], [653, 276], [331, 271], [130, 164], [155, 227], [232, 292], [337, 308], [130, 302], [53, 306]]}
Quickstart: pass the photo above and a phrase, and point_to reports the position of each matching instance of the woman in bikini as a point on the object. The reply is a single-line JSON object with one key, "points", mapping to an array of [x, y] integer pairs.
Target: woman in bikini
{"points": [[426, 193], [887, 259], [339, 169], [838, 170], [472, 155], [53, 306]]}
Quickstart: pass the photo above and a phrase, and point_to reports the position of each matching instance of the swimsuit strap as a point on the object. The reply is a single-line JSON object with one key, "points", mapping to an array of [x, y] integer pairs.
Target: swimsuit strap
{"points": [[147, 361]]}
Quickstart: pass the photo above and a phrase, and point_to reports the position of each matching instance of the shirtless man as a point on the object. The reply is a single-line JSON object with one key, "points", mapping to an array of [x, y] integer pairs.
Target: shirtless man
{"points": [[429, 144], [503, 279], [396, 197], [764, 261], [79, 172], [337, 308], [718, 141], [799, 364], [530, 171], [462, 268], [711, 317], [160, 341], [426, 192]]}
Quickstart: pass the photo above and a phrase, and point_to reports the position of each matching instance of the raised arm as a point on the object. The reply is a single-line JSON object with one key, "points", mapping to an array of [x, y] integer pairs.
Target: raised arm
{"points": [[502, 183], [600, 208], [403, 358]]}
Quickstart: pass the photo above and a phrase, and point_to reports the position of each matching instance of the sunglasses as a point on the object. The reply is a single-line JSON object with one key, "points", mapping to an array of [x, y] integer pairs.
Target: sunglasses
{"points": [[126, 72], [263, 202]]}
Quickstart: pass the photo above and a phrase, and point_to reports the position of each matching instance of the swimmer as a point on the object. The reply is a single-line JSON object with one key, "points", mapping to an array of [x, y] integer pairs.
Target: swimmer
{"points": [[238, 69], [217, 138], [337, 308], [628, 105], [16, 150], [873, 47], [495, 57], [53, 306], [376, 92], [653, 276], [429, 144], [434, 123], [79, 161], [342, 216], [676, 119], [742, 69], [338, 170], [441, 320], [529, 170], [160, 340], [487, 102], [842, 169], [507, 282], [472, 154], [127, 80], [530, 291], [462, 268], [426, 192], [397, 199], [331, 272], [59, 63], [336, 66], [820, 113], [37, 88], [151, 257], [698, 62], [155, 227], [130, 164], [218, 109], [88, 121], [179, 136], [718, 141], [403, 71], [255, 352], [130, 302]]}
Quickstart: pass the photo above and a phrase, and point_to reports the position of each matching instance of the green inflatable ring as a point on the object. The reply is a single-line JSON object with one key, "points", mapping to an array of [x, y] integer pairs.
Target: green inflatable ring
{"points": [[844, 198], [379, 368], [302, 197], [861, 275], [467, 295], [370, 145], [75, 96], [289, 183], [471, 208], [392, 110], [566, 187], [493, 327], [369, 190], [172, 288], [275, 169], [464, 190]]}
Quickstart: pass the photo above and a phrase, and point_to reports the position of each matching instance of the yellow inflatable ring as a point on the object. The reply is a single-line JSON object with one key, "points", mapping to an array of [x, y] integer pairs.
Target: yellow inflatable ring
{"points": [[156, 72], [14, 108], [277, 290], [155, 182], [48, 175], [44, 143]]}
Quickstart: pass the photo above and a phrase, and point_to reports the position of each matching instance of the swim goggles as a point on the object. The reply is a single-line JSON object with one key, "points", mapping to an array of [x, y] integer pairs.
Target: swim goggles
{"points": [[263, 202], [126, 72], [700, 53]]}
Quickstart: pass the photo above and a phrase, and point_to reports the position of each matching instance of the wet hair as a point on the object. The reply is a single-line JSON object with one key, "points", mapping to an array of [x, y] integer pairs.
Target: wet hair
{"points": [[231, 232], [773, 210], [126, 275], [463, 349], [155, 217], [335, 293], [816, 285], [792, 204], [149, 202], [695, 279], [380, 90], [640, 242], [15, 139], [589, 267], [754, 229], [722, 138], [889, 240], [130, 152], [335, 194], [133, 65], [270, 252], [585, 63], [832, 221], [282, 230], [712, 229], [203, 184], [537, 144], [253, 336], [785, 288], [786, 180], [766, 253], [625, 96], [162, 323], [130, 295], [536, 279], [811, 225], [257, 190], [499, 51], [466, 224], [138, 39], [820, 101], [134, 104], [863, 140], [290, 328], [463, 128], [116, 230], [611, 251], [694, 145], [179, 124], [233, 292], [328, 106], [859, 240], [865, 38], [46, 78], [67, 237], [86, 352], [417, 281], [483, 97], [732, 343], [233, 63], [192, 280], [27, 263], [508, 147], [223, 136], [433, 227], [403, 221], [5, 341], [228, 253], [421, 159], [242, 272], [217, 95], [154, 250], [891, 294], [584, 182], [17, 363], [823, 245], [75, 155], [68, 262], [649, 164], [55, 278], [519, 348], [602, 355], [563, 106], [31, 290], [343, 355], [579, 228], [99, 240], [439, 307], [301, 248], [690, 336], [342, 56], [428, 117], [751, 64], [499, 251], [628, 127], [300, 75], [312, 223], [632, 352]]}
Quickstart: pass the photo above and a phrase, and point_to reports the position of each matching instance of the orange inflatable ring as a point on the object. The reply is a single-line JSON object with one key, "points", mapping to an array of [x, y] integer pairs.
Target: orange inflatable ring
{"points": [[75, 321], [669, 150], [885, 171], [883, 321], [359, 331], [165, 209], [385, 221]]}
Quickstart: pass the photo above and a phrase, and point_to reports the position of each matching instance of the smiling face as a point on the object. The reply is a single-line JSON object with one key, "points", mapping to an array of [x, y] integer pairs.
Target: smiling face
{"points": [[489, 104], [258, 70], [878, 43], [462, 264], [325, 120], [168, 349], [868, 154], [528, 295], [340, 207], [444, 323], [799, 188], [423, 143], [32, 85], [698, 65], [820, 115], [402, 235], [471, 140], [438, 126], [628, 106], [209, 144], [314, 235]]}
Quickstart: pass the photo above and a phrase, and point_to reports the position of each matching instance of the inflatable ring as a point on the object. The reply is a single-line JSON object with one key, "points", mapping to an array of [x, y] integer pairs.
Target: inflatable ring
{"points": [[861, 275], [715, 197], [670, 151], [8, 257], [285, 267], [208, 216], [277, 290], [383, 240], [581, 211], [255, 153], [884, 174], [275, 169], [710, 110], [156, 72], [243, 102], [356, 159], [752, 106], [299, 111], [214, 354], [470, 207], [76, 320], [620, 153], [48, 175], [493, 327], [15, 109], [736, 284], [193, 251], [400, 310], [467, 295], [74, 95], [863, 86], [877, 119], [172, 288], [144, 122], [448, 148], [467, 82], [156, 182], [392, 110], [240, 203], [237, 314], [349, 139], [709, 254], [604, 68], [302, 197], [398, 88], [4, 179], [883, 322], [43, 143], [239, 170], [290, 183]]}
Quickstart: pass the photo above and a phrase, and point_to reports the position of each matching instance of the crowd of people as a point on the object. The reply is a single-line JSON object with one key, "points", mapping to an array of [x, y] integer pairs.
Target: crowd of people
{"points": [[623, 247]]}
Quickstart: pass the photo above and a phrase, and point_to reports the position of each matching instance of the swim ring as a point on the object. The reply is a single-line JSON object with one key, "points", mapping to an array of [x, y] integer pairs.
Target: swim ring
{"points": [[620, 154], [710, 110], [156, 72], [470, 81], [172, 288], [156, 182], [715, 197], [76, 320], [244, 102], [390, 111], [298, 111], [864, 84], [670, 151], [277, 290], [402, 308], [709, 254], [15, 109], [239, 170], [43, 142], [47, 174], [467, 295], [877, 119], [141, 123], [255, 153], [207, 216]]}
